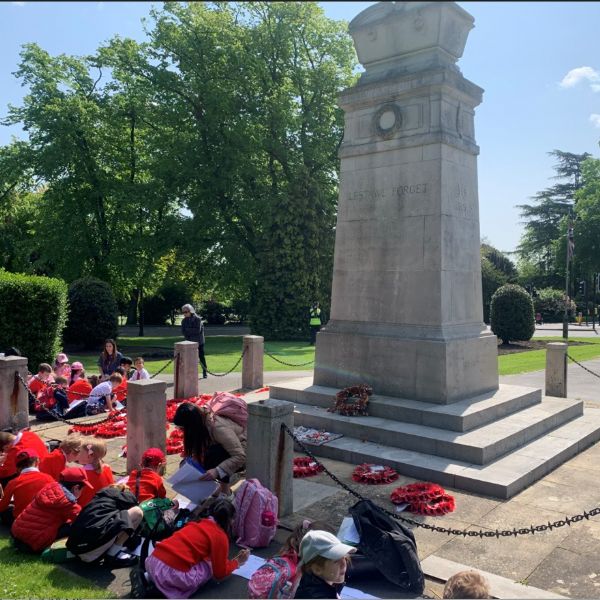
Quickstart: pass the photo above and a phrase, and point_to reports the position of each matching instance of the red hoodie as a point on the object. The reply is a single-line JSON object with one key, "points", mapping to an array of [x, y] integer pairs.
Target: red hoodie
{"points": [[22, 490], [28, 440], [37, 526]]}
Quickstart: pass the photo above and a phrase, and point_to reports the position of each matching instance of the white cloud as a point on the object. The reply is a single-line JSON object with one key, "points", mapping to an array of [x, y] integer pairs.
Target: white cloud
{"points": [[579, 74], [18, 3], [595, 119]]}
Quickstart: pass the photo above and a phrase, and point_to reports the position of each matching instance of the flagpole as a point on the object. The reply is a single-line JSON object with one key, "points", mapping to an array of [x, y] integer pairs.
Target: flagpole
{"points": [[569, 251]]}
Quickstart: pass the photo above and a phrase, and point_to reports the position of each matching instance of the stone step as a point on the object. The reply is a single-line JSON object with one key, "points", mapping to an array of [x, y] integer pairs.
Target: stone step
{"points": [[502, 478], [459, 416], [478, 446]]}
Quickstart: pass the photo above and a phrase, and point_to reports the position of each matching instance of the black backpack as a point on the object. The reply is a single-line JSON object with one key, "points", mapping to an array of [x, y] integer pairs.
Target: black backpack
{"points": [[390, 545]]}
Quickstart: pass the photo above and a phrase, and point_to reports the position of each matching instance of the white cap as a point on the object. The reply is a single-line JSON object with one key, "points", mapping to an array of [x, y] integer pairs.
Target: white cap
{"points": [[322, 543]]}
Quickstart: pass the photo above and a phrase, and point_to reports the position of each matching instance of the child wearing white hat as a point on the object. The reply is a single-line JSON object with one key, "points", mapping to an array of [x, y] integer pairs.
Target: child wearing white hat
{"points": [[323, 559]]}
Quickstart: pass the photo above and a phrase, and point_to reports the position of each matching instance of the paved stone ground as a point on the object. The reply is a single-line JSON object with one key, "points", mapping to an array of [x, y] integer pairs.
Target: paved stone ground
{"points": [[563, 561]]}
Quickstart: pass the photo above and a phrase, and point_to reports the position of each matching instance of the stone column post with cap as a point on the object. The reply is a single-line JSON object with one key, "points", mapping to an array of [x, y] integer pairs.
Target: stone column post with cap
{"points": [[14, 400]]}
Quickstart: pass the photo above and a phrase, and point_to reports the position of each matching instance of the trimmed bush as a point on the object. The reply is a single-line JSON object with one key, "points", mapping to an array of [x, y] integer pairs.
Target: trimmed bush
{"points": [[550, 304], [93, 313], [511, 313], [33, 312], [213, 312]]}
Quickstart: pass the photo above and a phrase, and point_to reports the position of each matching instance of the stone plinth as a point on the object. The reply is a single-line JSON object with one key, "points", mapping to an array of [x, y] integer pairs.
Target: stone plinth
{"points": [[406, 311], [556, 369], [14, 403], [186, 369], [270, 449], [252, 363], [146, 418]]}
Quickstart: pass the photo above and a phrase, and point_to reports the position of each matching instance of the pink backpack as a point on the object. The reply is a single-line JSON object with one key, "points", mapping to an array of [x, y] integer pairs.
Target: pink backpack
{"points": [[232, 407], [256, 510], [275, 579]]}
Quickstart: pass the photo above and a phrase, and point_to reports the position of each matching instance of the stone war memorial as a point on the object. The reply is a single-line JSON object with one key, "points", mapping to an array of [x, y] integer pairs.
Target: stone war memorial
{"points": [[406, 313]]}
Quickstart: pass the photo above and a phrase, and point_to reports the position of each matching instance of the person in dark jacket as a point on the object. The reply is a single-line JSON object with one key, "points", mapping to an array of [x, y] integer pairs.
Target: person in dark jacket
{"points": [[324, 560], [109, 360], [192, 330], [48, 516], [104, 525]]}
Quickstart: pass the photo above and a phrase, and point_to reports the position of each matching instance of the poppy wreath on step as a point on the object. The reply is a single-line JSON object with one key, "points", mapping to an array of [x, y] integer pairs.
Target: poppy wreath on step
{"points": [[374, 474], [112, 429], [352, 401], [424, 498], [306, 467]]}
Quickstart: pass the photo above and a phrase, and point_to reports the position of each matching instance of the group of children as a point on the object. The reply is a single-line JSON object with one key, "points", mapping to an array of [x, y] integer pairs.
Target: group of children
{"points": [[61, 386], [45, 499]]}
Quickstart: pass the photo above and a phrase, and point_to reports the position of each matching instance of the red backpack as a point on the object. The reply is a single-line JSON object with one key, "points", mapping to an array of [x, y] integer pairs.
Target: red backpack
{"points": [[232, 407]]}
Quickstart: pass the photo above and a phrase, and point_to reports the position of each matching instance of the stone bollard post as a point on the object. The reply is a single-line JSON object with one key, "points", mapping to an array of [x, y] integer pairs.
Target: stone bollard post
{"points": [[556, 369], [186, 369], [252, 363], [146, 418], [270, 450], [14, 401]]}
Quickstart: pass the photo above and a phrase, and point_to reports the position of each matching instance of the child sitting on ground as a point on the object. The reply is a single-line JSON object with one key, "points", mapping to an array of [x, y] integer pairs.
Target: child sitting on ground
{"points": [[467, 584], [98, 474], [279, 576], [21, 490], [42, 379], [49, 515], [127, 366], [10, 446], [183, 562], [67, 451], [80, 387], [101, 395], [104, 526], [120, 392], [140, 372], [324, 560], [61, 366], [147, 482]]}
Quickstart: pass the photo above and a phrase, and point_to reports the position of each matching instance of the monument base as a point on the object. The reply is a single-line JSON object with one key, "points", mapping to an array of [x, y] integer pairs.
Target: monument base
{"points": [[434, 370], [495, 444]]}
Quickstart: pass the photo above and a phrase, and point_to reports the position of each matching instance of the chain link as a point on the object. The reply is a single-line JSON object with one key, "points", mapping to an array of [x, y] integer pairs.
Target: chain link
{"points": [[287, 364], [56, 415], [532, 529], [583, 366], [162, 369], [232, 368]]}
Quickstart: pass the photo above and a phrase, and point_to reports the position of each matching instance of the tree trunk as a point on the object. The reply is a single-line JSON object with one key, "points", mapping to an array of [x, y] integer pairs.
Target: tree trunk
{"points": [[132, 308], [141, 305]]}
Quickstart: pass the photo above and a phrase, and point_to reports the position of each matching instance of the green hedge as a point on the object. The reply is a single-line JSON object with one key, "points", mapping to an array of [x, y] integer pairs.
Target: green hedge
{"points": [[33, 313], [511, 314]]}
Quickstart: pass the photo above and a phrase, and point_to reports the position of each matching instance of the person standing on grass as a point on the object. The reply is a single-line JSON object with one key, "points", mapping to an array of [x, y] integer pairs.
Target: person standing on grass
{"points": [[315, 322], [192, 330]]}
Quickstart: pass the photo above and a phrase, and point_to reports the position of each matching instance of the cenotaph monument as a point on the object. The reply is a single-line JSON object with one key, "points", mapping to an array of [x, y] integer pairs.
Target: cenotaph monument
{"points": [[406, 311]]}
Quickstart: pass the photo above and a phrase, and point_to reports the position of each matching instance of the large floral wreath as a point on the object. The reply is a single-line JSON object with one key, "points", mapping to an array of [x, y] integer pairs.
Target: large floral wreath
{"points": [[424, 498], [352, 401]]}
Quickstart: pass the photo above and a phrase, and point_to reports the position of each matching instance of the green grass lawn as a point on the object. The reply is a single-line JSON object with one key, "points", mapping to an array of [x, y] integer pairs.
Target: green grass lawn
{"points": [[27, 576], [222, 352], [535, 360]]}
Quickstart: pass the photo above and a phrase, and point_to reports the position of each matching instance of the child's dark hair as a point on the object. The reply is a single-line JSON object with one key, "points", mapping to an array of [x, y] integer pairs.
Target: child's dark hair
{"points": [[120, 371], [93, 380], [222, 511], [196, 437], [126, 360], [25, 463], [71, 484], [60, 380]]}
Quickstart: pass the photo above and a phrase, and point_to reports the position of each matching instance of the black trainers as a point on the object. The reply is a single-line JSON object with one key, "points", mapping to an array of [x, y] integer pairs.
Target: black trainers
{"points": [[121, 560], [139, 585]]}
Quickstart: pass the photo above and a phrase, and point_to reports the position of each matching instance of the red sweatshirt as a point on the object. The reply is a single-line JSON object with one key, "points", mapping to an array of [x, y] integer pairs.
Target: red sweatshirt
{"points": [[28, 440], [54, 463], [81, 386], [197, 541], [120, 391], [22, 490], [151, 485], [98, 480]]}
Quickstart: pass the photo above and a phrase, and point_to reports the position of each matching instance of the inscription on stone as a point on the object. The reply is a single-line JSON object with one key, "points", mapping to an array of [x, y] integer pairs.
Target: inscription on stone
{"points": [[380, 194]]}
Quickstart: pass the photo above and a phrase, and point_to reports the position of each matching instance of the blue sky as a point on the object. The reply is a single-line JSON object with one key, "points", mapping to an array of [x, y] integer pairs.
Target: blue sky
{"points": [[539, 64]]}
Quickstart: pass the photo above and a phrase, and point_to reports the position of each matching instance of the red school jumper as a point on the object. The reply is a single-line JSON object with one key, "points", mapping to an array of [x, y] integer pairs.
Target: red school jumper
{"points": [[28, 440], [22, 490], [98, 480], [151, 485], [54, 463]]}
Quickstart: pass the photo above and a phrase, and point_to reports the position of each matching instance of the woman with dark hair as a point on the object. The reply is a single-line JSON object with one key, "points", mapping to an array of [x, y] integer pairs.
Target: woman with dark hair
{"points": [[183, 562], [109, 360], [216, 442]]}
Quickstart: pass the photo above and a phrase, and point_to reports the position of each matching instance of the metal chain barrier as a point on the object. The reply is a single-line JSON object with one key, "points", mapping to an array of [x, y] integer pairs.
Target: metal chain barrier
{"points": [[287, 364], [532, 529], [56, 415], [583, 366], [239, 360], [163, 368]]}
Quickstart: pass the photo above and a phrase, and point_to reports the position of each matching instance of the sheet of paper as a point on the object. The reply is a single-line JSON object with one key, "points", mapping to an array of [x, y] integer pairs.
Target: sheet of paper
{"points": [[401, 507], [253, 564], [185, 502], [185, 474], [196, 491], [348, 532], [118, 406], [348, 592], [123, 480]]}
